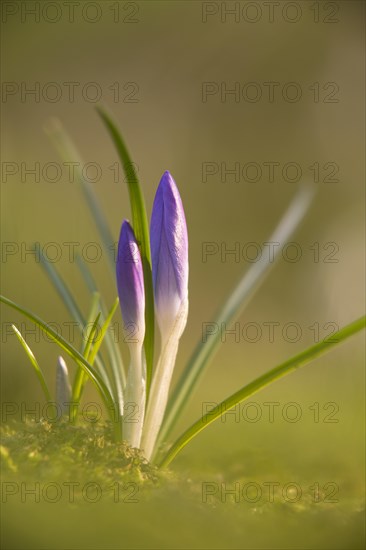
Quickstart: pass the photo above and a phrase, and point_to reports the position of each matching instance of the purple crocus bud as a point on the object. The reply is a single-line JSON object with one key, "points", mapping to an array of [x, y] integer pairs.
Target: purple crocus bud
{"points": [[169, 251], [130, 283]]}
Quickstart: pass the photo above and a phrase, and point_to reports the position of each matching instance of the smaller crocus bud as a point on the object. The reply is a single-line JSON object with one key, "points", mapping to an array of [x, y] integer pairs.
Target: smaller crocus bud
{"points": [[130, 283], [169, 253], [63, 387]]}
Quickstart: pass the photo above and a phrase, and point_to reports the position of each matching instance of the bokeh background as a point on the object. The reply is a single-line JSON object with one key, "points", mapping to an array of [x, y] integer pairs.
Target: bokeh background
{"points": [[149, 62]]}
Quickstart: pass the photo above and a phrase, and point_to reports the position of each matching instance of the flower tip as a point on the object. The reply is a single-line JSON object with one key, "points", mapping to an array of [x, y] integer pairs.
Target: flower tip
{"points": [[62, 365], [167, 175], [63, 387], [167, 182], [127, 231]]}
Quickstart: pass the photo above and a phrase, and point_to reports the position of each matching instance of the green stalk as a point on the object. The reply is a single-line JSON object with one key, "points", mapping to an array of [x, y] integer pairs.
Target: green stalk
{"points": [[80, 375], [258, 384], [91, 353], [141, 230]]}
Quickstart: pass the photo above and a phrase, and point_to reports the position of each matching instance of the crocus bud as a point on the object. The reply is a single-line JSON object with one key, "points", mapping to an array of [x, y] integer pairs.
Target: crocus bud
{"points": [[169, 252], [130, 283], [63, 388]]}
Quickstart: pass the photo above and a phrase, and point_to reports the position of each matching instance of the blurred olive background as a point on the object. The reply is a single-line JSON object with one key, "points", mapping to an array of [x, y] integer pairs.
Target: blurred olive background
{"points": [[168, 53]]}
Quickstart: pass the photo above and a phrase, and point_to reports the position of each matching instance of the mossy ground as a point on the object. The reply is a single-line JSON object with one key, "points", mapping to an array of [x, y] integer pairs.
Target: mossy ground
{"points": [[44, 450], [157, 509]]}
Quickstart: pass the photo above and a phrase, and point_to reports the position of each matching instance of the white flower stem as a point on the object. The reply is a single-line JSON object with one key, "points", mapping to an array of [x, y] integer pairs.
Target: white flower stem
{"points": [[161, 383], [135, 393]]}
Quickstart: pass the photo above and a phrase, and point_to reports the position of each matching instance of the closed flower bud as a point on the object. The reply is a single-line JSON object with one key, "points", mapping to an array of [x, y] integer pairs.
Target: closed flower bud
{"points": [[130, 283], [169, 253]]}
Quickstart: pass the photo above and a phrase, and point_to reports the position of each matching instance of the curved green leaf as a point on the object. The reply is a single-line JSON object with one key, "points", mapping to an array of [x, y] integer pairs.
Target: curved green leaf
{"points": [[34, 363], [72, 352], [80, 378], [111, 345], [233, 307], [67, 299], [68, 152], [260, 383], [141, 230]]}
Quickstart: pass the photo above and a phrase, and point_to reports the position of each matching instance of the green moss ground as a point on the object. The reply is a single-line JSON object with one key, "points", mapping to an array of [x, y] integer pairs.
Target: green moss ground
{"points": [[139, 507]]}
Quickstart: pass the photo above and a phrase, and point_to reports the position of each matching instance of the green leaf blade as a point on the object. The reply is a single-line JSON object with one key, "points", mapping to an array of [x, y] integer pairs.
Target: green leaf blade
{"points": [[81, 377], [71, 351], [141, 230], [33, 362], [112, 346], [259, 383], [66, 296], [233, 307], [69, 153]]}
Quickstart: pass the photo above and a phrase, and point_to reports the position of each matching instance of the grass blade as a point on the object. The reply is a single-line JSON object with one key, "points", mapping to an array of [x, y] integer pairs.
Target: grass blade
{"points": [[60, 286], [141, 230], [67, 298], [234, 306], [103, 330], [68, 153], [94, 352], [117, 373], [93, 314], [91, 350], [259, 383], [72, 352], [81, 377], [112, 346], [34, 363]]}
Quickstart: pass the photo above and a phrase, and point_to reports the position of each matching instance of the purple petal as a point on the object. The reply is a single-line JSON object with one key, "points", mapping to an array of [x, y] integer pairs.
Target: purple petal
{"points": [[169, 248], [130, 280]]}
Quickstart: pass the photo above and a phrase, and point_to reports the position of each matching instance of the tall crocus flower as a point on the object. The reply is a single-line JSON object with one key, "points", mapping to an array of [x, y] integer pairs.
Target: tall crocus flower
{"points": [[130, 283], [169, 252]]}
